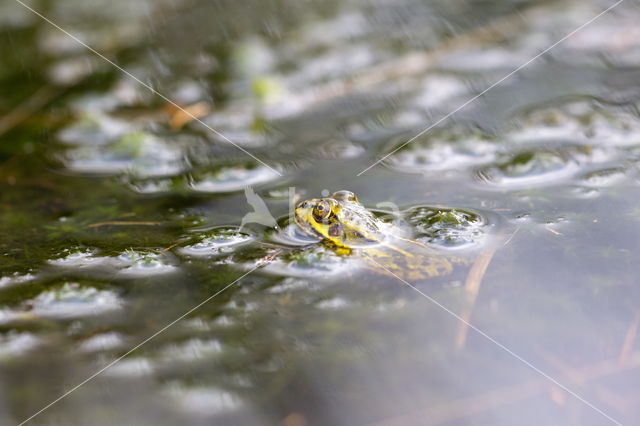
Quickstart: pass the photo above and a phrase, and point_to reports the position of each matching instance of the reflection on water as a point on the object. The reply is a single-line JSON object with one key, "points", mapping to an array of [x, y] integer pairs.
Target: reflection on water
{"points": [[119, 213]]}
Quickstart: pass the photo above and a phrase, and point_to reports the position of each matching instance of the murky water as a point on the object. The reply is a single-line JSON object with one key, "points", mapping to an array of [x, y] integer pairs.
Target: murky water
{"points": [[119, 213]]}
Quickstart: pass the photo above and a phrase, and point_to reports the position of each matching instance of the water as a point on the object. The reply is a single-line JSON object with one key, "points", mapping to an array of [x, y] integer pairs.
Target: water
{"points": [[119, 214]]}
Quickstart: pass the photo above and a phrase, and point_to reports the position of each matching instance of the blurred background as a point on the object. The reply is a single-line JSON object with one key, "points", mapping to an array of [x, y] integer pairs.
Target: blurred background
{"points": [[119, 211]]}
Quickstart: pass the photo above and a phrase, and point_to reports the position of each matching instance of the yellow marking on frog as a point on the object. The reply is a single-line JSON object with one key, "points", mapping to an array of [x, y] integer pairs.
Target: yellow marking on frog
{"points": [[344, 224]]}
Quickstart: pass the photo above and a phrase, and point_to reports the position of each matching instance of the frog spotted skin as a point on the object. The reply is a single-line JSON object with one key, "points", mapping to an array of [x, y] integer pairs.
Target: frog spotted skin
{"points": [[344, 224]]}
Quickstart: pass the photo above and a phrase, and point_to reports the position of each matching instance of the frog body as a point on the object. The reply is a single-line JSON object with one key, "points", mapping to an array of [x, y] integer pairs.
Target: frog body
{"points": [[344, 224]]}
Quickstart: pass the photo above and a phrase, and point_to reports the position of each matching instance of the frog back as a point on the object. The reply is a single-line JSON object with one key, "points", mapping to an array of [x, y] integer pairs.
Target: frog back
{"points": [[409, 260]]}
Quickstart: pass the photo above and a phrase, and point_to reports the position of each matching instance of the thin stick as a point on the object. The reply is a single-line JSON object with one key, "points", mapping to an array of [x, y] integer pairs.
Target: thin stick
{"points": [[475, 405], [472, 288]]}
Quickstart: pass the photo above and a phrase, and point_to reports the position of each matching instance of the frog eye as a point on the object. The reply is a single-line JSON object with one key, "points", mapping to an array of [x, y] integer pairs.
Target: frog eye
{"points": [[321, 211]]}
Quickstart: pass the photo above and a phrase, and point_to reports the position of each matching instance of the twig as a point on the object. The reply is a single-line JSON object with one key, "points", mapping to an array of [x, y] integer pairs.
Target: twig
{"points": [[472, 288], [170, 247], [578, 377], [627, 346], [566, 369], [123, 223], [36, 101]]}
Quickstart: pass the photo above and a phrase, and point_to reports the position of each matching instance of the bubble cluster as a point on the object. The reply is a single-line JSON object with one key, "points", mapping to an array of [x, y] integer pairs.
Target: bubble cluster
{"points": [[231, 178], [153, 162], [71, 300], [442, 153], [143, 263], [215, 242], [447, 227], [530, 167], [573, 143]]}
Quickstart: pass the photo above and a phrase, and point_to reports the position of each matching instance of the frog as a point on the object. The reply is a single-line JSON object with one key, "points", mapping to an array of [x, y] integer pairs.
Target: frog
{"points": [[343, 224]]}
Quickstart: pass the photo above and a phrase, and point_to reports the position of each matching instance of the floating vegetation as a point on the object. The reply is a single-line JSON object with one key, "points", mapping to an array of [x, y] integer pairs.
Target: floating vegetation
{"points": [[203, 400], [315, 262], [217, 241], [138, 263], [337, 149], [94, 129], [102, 342], [72, 300], [584, 122], [16, 278], [447, 228], [130, 263], [191, 350], [156, 186], [530, 167], [77, 257], [131, 367], [604, 177], [15, 344], [231, 178], [436, 155], [140, 154]]}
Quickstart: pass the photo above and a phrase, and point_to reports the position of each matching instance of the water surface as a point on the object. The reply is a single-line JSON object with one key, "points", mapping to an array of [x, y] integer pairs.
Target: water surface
{"points": [[118, 213]]}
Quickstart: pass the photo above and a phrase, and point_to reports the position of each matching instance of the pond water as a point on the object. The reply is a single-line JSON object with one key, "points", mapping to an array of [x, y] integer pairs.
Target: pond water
{"points": [[121, 212]]}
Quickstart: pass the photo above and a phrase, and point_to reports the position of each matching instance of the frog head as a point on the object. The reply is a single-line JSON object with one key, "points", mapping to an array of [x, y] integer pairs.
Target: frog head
{"points": [[339, 220]]}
